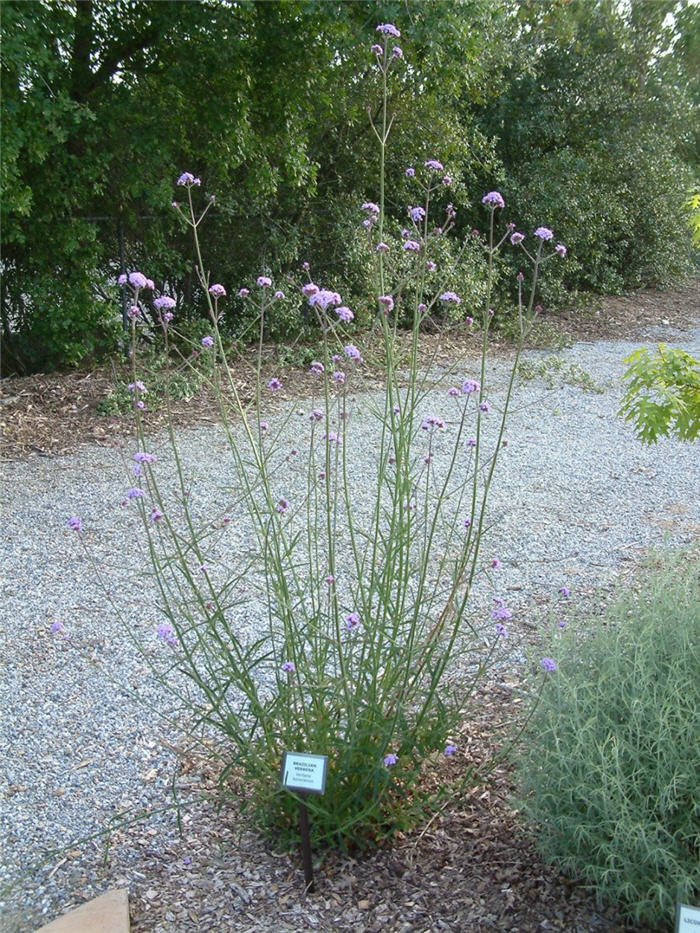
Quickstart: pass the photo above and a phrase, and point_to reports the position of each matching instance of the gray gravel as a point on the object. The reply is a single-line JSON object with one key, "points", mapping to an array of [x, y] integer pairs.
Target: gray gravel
{"points": [[575, 494]]}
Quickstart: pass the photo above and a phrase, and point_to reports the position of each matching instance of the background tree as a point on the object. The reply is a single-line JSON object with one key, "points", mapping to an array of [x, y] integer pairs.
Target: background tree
{"points": [[581, 111]]}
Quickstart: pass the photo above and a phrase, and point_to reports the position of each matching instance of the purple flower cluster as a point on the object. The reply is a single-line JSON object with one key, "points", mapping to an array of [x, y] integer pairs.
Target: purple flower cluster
{"points": [[469, 386], [352, 621], [493, 199], [416, 213], [217, 291], [435, 165], [188, 180], [544, 233], [549, 664], [289, 667], [411, 246], [207, 341], [264, 281], [323, 297], [75, 523], [390, 760], [352, 352], [167, 633], [388, 29], [450, 296]]}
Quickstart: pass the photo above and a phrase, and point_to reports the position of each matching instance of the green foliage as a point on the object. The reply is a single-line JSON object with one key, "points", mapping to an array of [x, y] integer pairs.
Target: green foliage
{"points": [[663, 394], [610, 770]]}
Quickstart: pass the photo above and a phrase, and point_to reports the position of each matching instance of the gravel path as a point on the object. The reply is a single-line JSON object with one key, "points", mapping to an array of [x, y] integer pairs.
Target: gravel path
{"points": [[575, 494]]}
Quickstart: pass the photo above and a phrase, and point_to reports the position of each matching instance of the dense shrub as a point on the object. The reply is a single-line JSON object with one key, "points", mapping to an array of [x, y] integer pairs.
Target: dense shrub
{"points": [[610, 772]]}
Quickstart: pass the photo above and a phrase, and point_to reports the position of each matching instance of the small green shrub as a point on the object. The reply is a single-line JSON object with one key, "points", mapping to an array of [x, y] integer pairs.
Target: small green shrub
{"points": [[663, 394], [550, 367], [610, 772]]}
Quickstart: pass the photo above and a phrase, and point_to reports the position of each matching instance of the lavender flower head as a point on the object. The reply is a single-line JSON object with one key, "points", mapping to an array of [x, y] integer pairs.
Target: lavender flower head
{"points": [[469, 386], [377, 49], [417, 214], [435, 165], [217, 291], [352, 352], [352, 621], [207, 341], [501, 630], [382, 247], [390, 760], [141, 456], [264, 281], [549, 664], [387, 302], [450, 296], [501, 613], [397, 51], [323, 298], [370, 207], [309, 289], [164, 303], [516, 238], [493, 199], [450, 750], [289, 667], [75, 523], [279, 295], [317, 368], [410, 172], [138, 280], [411, 246], [561, 249], [243, 292], [388, 29], [167, 633], [135, 493], [274, 384], [544, 233], [187, 179]]}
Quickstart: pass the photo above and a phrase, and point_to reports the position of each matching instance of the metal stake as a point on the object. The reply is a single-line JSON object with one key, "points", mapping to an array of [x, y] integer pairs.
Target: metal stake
{"points": [[306, 846]]}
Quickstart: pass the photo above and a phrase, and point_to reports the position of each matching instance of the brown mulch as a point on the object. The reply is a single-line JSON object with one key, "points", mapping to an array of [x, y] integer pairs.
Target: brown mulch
{"points": [[472, 867], [52, 415]]}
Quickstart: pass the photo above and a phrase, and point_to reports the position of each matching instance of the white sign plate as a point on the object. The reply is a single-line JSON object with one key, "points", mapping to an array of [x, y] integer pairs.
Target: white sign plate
{"points": [[306, 772], [687, 919]]}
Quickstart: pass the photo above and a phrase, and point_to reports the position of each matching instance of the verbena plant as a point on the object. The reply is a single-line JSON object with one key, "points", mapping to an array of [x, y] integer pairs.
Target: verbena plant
{"points": [[363, 586], [610, 770]]}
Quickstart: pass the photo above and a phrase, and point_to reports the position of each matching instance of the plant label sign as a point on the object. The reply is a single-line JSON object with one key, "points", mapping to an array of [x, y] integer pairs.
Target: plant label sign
{"points": [[306, 772], [687, 919]]}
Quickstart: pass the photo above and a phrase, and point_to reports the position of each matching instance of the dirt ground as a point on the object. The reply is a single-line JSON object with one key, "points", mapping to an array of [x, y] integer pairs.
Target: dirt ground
{"points": [[473, 866], [51, 415]]}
